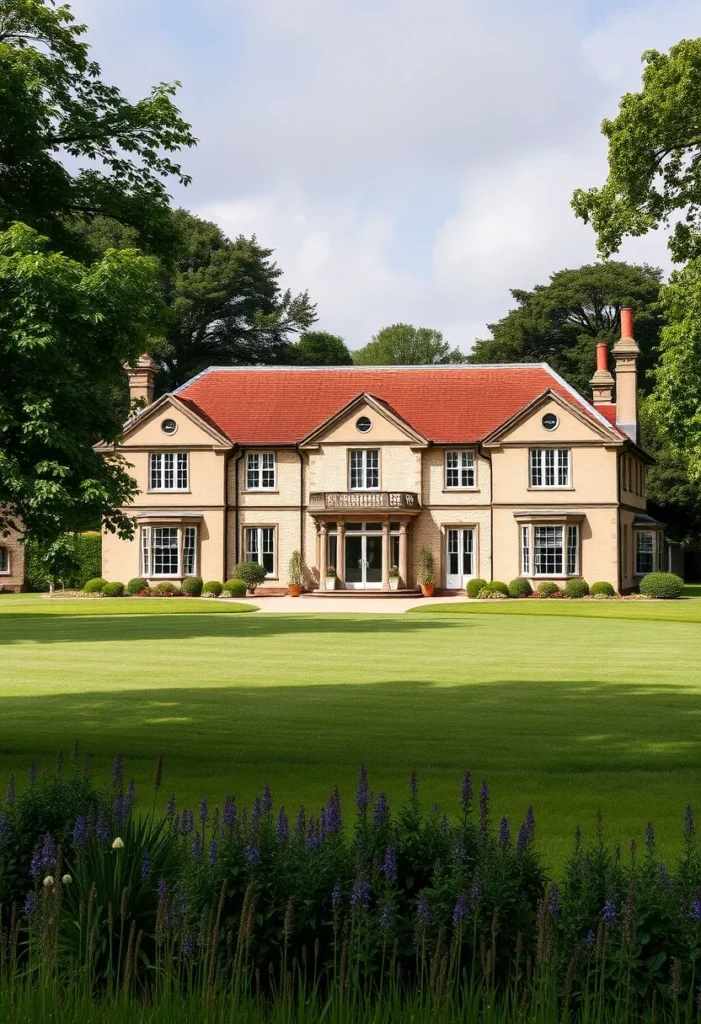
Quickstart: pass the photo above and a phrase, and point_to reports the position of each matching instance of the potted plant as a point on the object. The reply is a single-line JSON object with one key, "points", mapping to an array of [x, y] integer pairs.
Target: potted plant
{"points": [[331, 578], [295, 574], [427, 577], [252, 574], [393, 577]]}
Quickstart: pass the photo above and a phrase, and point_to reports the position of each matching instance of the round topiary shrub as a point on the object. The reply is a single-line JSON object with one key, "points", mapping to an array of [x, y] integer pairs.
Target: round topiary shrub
{"points": [[474, 586], [136, 585], [497, 587], [665, 585], [192, 586], [167, 587], [113, 590], [94, 586], [603, 589], [520, 587], [252, 574], [213, 587], [235, 588], [547, 588], [577, 588]]}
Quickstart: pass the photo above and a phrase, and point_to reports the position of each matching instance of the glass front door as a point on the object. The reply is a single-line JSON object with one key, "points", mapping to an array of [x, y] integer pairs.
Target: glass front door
{"points": [[363, 561], [460, 558]]}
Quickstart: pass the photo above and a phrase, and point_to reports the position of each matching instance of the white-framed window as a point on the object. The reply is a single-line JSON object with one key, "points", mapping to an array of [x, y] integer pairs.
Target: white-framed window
{"points": [[550, 550], [644, 552], [4, 561], [364, 469], [259, 543], [459, 470], [168, 471], [549, 467], [260, 471], [168, 551]]}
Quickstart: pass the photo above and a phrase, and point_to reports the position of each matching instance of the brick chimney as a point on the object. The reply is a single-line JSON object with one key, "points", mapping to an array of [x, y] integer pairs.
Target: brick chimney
{"points": [[602, 381], [626, 352], [141, 377]]}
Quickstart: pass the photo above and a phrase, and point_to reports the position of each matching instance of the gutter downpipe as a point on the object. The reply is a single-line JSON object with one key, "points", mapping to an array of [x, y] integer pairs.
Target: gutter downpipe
{"points": [[301, 501], [483, 454]]}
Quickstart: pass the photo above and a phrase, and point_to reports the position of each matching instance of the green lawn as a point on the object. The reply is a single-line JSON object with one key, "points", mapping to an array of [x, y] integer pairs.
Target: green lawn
{"points": [[569, 706]]}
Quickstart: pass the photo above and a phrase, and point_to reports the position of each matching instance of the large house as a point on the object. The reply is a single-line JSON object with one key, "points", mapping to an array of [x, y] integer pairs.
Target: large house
{"points": [[501, 471]]}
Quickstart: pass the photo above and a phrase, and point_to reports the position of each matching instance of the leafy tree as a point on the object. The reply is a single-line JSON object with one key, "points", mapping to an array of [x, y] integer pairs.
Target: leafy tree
{"points": [[225, 305], [405, 345], [654, 157], [66, 329], [319, 348], [672, 494], [561, 322], [53, 103]]}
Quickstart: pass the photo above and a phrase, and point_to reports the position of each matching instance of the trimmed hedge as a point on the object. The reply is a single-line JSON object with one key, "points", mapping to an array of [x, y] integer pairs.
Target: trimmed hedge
{"points": [[577, 588], [474, 586], [547, 588], [235, 588], [497, 587], [136, 585], [520, 587], [602, 588], [486, 594], [113, 590], [95, 586], [213, 587], [192, 586], [664, 585], [83, 562]]}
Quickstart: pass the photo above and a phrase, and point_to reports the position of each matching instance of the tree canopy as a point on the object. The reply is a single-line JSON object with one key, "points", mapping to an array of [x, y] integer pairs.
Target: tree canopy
{"points": [[319, 348], [66, 329], [405, 345], [54, 105], [560, 323], [224, 304], [654, 158]]}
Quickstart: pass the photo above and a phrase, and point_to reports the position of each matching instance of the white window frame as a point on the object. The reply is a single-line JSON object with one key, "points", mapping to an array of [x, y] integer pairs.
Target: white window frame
{"points": [[5, 557], [368, 471], [169, 471], [261, 471], [462, 464], [187, 537], [570, 546], [550, 464], [652, 552], [255, 541]]}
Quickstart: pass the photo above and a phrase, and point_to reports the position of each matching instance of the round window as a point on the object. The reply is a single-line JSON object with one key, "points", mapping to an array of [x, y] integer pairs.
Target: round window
{"points": [[550, 421], [169, 426], [363, 424]]}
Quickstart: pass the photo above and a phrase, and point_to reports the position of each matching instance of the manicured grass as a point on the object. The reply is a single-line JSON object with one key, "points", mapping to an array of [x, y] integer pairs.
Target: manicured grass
{"points": [[570, 706]]}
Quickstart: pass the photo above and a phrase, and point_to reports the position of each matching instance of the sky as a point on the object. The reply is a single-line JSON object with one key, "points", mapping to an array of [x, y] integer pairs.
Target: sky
{"points": [[407, 160]]}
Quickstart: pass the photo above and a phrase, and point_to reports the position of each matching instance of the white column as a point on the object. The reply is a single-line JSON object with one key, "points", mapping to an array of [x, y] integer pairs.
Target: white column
{"points": [[340, 554], [385, 555], [323, 547], [403, 567]]}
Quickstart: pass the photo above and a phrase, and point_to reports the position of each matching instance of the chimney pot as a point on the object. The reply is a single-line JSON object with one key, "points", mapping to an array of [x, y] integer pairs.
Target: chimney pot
{"points": [[626, 322], [141, 378], [626, 353], [602, 381], [602, 356]]}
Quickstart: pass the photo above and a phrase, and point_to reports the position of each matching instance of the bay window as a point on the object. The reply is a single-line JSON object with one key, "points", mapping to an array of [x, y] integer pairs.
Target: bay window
{"points": [[168, 471], [549, 467], [168, 551], [644, 552], [459, 470], [364, 469], [259, 544], [549, 550], [260, 471]]}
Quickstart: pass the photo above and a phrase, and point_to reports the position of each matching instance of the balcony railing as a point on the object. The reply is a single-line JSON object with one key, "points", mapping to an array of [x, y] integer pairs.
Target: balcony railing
{"points": [[383, 501]]}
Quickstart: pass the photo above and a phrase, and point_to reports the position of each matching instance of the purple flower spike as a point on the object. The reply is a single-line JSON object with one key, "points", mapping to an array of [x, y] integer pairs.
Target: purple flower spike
{"points": [[267, 800], [162, 890], [119, 811], [336, 896], [389, 868], [204, 811], [229, 815], [48, 852], [131, 794], [554, 901], [609, 911], [146, 865], [213, 852], [386, 918], [460, 910], [253, 854], [649, 837], [334, 820], [313, 836], [4, 827], [30, 903], [362, 797], [257, 811], [589, 941], [35, 866], [459, 850], [695, 912], [665, 882], [477, 889], [190, 946], [80, 833], [32, 772], [466, 794], [504, 833], [196, 847], [282, 827], [381, 812], [414, 785], [689, 826], [423, 909], [360, 897], [530, 823], [102, 832], [524, 838], [118, 771], [301, 825]]}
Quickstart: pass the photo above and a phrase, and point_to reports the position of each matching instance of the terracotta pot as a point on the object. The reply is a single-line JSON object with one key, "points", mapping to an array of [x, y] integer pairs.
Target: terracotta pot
{"points": [[295, 589], [427, 589]]}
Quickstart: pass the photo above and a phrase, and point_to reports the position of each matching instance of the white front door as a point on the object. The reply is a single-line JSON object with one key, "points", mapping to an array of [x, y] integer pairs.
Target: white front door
{"points": [[460, 558]]}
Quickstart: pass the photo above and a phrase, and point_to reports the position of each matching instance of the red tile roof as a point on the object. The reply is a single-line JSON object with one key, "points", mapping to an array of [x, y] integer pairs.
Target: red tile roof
{"points": [[281, 405]]}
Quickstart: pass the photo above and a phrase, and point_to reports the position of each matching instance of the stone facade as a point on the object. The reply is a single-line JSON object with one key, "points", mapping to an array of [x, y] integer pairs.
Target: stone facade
{"points": [[12, 563]]}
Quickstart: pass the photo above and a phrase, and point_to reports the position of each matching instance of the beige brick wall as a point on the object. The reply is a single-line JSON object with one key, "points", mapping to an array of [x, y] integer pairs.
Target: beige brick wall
{"points": [[14, 579], [400, 467]]}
